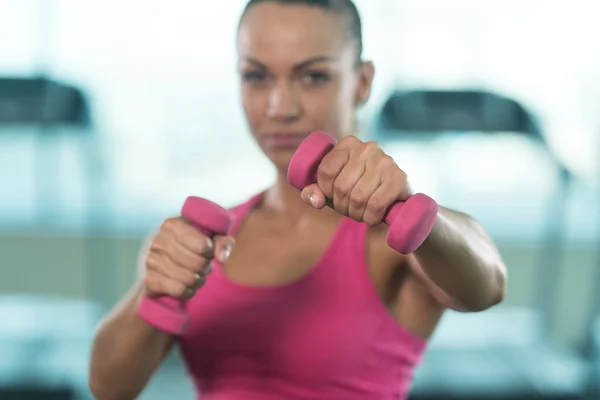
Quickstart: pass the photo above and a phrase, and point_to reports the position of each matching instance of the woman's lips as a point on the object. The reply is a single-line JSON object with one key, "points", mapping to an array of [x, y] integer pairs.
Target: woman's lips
{"points": [[284, 140]]}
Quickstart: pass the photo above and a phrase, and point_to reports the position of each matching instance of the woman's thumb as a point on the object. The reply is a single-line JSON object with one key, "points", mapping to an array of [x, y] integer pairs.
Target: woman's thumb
{"points": [[222, 247], [314, 196]]}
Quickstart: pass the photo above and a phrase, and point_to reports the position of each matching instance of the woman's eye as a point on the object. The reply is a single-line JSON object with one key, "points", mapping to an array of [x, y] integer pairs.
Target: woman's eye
{"points": [[316, 78], [254, 77]]}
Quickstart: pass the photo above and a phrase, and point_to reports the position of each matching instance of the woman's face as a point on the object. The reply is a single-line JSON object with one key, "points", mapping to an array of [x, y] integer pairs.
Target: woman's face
{"points": [[299, 74]]}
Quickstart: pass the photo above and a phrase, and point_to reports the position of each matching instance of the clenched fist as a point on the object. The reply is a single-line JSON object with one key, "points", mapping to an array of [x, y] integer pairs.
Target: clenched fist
{"points": [[179, 259], [359, 181]]}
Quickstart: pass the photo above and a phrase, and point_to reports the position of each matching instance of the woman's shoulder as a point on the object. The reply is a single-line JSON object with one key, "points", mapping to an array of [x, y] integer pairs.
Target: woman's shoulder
{"points": [[246, 204], [379, 252], [241, 210]]}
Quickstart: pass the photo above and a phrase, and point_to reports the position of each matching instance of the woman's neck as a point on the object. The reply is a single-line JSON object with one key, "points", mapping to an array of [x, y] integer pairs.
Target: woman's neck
{"points": [[285, 203], [283, 197]]}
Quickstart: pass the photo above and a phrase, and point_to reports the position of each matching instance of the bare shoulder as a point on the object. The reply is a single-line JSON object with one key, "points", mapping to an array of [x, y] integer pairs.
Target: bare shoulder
{"points": [[406, 296]]}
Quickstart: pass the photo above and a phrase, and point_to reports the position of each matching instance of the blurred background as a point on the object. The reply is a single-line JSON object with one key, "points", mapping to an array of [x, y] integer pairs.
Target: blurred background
{"points": [[112, 112]]}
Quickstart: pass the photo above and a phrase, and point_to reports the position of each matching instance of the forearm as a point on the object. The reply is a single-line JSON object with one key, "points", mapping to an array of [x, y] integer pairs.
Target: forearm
{"points": [[461, 261], [125, 352]]}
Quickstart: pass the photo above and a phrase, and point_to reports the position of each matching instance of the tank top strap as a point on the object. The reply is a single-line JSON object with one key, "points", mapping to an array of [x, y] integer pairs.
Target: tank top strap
{"points": [[241, 211], [351, 240], [348, 249], [348, 252]]}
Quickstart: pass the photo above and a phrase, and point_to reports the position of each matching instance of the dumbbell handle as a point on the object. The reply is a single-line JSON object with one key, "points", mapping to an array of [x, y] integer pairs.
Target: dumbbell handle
{"points": [[410, 221], [166, 313]]}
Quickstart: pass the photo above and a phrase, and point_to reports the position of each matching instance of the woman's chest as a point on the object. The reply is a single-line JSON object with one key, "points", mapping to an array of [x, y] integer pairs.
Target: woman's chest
{"points": [[308, 331], [271, 254]]}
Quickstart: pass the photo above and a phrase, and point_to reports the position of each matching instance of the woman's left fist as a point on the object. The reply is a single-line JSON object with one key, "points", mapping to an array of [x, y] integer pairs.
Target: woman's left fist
{"points": [[359, 181]]}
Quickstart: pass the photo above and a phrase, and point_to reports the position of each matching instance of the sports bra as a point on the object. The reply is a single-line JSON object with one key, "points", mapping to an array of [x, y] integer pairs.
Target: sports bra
{"points": [[326, 336]]}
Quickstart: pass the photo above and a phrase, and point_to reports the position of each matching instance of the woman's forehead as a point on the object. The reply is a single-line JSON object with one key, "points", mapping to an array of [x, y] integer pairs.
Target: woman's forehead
{"points": [[275, 31]]}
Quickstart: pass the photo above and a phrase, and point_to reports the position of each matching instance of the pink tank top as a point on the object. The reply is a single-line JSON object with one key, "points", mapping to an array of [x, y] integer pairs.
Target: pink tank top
{"points": [[327, 336]]}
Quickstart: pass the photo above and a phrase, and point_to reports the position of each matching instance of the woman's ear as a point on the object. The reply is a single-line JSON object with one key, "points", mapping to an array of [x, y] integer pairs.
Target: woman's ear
{"points": [[366, 74]]}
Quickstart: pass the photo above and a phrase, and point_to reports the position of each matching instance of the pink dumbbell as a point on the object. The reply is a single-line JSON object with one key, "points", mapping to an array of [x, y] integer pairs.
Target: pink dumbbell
{"points": [[409, 222], [166, 313]]}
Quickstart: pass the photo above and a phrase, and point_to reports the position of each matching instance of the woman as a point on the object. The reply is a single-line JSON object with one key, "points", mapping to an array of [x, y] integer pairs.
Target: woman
{"points": [[310, 302]]}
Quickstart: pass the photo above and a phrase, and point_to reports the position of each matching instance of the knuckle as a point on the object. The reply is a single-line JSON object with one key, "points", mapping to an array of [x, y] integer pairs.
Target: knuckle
{"points": [[157, 244], [198, 264], [155, 283], [327, 171], [371, 147], [200, 282], [209, 247], [201, 244], [190, 262], [170, 223], [355, 215], [189, 280], [387, 161], [371, 220], [178, 289], [358, 197], [400, 180], [152, 260], [350, 140], [341, 188], [150, 282], [204, 263], [402, 177], [376, 206], [208, 268], [400, 174]]}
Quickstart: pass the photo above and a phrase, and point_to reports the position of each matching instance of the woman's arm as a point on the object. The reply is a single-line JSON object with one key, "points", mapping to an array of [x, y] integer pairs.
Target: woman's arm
{"points": [[126, 351], [460, 263]]}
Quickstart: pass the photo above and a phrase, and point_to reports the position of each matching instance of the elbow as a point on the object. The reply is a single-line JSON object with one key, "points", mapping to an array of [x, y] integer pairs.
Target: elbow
{"points": [[500, 284], [493, 294], [103, 388], [105, 393], [99, 389], [99, 392]]}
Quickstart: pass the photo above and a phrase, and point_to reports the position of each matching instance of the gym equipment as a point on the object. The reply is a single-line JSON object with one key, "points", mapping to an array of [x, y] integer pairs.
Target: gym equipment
{"points": [[45, 339], [45, 345], [55, 113], [505, 352], [410, 222], [592, 343], [594, 355], [166, 313]]}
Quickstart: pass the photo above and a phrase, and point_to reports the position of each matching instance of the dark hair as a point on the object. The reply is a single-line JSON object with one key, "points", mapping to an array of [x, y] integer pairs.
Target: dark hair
{"points": [[345, 8]]}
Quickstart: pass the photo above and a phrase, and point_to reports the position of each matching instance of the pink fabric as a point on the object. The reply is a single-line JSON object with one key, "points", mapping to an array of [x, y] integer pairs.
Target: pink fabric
{"points": [[325, 336]]}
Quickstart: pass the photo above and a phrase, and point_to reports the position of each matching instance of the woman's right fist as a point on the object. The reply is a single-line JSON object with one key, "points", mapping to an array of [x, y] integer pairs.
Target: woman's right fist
{"points": [[179, 259]]}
